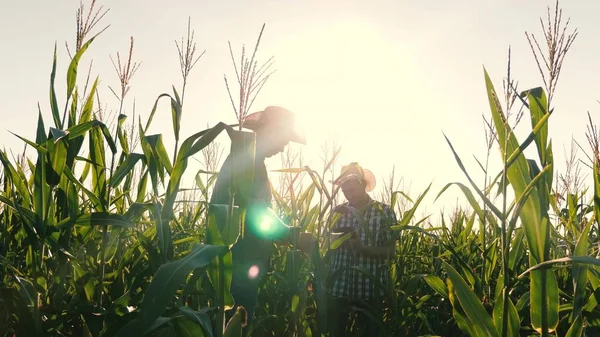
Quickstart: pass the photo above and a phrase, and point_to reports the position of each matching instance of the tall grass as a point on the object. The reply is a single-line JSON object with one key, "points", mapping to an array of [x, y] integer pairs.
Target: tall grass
{"points": [[99, 237]]}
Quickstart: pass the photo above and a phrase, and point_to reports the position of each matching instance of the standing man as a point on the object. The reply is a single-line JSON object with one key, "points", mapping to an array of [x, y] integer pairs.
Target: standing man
{"points": [[274, 128], [371, 244]]}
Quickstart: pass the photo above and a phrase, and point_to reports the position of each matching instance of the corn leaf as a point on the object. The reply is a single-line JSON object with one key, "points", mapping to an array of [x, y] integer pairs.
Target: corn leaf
{"points": [[467, 192], [98, 169], [121, 133], [186, 327], [513, 323], [53, 101], [189, 147], [56, 159], [103, 218], [576, 329], [167, 280], [535, 222], [217, 220], [125, 168], [477, 316], [163, 231], [72, 70], [580, 272], [436, 284]]}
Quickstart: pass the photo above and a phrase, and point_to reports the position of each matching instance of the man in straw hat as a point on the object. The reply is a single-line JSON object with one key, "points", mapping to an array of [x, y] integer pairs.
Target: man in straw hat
{"points": [[371, 243], [274, 129]]}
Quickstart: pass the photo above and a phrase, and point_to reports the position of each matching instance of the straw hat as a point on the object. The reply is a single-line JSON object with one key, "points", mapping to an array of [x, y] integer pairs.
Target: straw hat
{"points": [[355, 171], [278, 117]]}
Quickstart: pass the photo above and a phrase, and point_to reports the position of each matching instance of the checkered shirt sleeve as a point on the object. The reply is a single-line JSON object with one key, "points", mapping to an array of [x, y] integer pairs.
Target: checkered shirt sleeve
{"points": [[374, 228]]}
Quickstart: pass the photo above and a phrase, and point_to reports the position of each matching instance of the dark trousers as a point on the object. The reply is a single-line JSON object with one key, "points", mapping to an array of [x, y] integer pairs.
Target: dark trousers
{"points": [[339, 317]]}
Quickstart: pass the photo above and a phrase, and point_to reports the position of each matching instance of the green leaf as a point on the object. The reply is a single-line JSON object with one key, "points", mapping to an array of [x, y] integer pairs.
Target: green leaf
{"points": [[534, 216], [41, 195], [580, 271], [436, 284], [478, 317], [569, 259], [408, 215], [576, 329], [81, 276], [88, 107], [228, 227], [125, 168], [295, 301], [53, 101], [96, 202], [169, 278], [522, 199], [121, 133], [200, 317], [339, 241], [186, 327], [467, 192], [538, 107], [176, 115], [596, 173], [112, 244], [145, 130], [189, 147], [517, 251], [19, 183], [81, 128], [72, 70], [214, 237], [103, 218], [75, 137], [487, 202], [98, 169], [159, 151], [519, 177], [73, 111], [163, 231], [234, 326], [513, 323], [56, 157]]}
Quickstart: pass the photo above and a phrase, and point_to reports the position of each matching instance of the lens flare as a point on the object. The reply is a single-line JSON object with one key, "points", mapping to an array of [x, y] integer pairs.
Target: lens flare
{"points": [[266, 224], [253, 272]]}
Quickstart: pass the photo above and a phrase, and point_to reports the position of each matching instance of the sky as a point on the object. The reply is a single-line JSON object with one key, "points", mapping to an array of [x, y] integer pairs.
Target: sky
{"points": [[385, 79]]}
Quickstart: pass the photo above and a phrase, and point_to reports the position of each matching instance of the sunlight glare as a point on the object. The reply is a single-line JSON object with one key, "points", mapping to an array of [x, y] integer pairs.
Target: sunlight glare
{"points": [[253, 272], [266, 224]]}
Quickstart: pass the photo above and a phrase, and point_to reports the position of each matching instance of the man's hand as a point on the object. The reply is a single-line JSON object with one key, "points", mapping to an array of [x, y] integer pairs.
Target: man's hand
{"points": [[342, 209], [305, 241]]}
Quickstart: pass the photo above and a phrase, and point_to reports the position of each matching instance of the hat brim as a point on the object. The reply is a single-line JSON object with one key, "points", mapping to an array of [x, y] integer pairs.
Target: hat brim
{"points": [[255, 121], [369, 180], [297, 137]]}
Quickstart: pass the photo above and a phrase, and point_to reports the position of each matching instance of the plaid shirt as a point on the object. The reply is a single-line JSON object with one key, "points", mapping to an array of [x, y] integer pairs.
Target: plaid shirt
{"points": [[374, 230]]}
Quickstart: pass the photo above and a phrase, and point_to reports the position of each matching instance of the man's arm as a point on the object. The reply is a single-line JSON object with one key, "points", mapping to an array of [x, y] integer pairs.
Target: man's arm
{"points": [[386, 245], [386, 250]]}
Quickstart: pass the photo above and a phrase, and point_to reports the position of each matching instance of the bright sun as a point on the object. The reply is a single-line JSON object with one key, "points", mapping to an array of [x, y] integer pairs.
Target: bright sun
{"points": [[342, 80]]}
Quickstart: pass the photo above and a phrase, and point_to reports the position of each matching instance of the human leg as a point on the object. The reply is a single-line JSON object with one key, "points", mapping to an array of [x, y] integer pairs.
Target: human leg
{"points": [[337, 314], [367, 318]]}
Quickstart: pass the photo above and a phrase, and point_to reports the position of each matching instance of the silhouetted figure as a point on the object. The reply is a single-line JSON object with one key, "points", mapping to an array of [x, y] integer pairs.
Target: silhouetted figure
{"points": [[274, 128]]}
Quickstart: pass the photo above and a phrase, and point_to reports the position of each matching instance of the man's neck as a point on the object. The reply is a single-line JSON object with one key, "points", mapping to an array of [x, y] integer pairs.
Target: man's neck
{"points": [[363, 203]]}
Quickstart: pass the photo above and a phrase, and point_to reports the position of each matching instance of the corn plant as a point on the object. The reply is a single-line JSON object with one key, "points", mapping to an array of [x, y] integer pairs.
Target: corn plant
{"points": [[101, 236]]}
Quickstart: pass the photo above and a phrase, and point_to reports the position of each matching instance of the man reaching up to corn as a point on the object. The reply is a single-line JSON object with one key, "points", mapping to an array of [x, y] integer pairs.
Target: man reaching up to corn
{"points": [[274, 128], [371, 244]]}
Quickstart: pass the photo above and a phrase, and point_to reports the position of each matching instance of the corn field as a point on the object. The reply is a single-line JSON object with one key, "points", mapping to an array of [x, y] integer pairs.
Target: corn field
{"points": [[100, 237]]}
